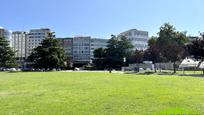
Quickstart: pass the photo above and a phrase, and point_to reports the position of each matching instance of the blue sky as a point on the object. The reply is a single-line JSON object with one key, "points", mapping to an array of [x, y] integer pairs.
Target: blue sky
{"points": [[101, 18]]}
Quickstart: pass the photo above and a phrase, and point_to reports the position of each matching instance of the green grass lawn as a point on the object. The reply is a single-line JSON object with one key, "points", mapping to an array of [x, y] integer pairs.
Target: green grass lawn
{"points": [[60, 93]]}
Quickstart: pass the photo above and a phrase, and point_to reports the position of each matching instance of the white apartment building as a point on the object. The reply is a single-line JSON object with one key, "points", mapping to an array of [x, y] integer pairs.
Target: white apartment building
{"points": [[138, 38], [34, 39], [19, 44]]}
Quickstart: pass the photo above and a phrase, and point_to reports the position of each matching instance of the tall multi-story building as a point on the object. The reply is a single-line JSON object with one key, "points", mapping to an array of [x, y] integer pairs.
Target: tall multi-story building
{"points": [[34, 39], [81, 50], [138, 38], [19, 45], [67, 44], [18, 42], [97, 43], [5, 34]]}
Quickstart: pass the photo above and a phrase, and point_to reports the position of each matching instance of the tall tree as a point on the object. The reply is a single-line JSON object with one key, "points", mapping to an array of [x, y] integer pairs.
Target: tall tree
{"points": [[7, 56], [171, 43], [152, 53], [138, 57], [99, 59], [196, 50], [48, 55], [118, 48], [173, 53]]}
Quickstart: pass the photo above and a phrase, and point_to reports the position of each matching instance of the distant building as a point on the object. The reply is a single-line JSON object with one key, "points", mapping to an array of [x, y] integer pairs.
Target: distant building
{"points": [[34, 39], [139, 39], [5, 34], [67, 44], [80, 49], [19, 43], [97, 43], [193, 38]]}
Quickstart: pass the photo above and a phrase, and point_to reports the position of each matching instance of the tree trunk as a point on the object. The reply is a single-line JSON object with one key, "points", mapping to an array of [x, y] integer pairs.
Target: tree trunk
{"points": [[155, 68], [160, 67], [174, 67], [138, 67]]}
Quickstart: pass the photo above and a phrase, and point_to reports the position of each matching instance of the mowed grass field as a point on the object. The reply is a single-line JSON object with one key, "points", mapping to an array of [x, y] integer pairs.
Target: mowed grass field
{"points": [[58, 93]]}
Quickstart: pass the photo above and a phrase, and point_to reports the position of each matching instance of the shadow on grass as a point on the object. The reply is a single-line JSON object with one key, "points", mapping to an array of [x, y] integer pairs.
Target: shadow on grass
{"points": [[192, 75], [28, 71], [141, 73], [147, 73], [165, 73], [13, 71]]}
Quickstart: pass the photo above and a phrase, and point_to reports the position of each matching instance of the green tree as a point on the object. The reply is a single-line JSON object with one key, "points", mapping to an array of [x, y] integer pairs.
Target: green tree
{"points": [[171, 44], [99, 59], [138, 57], [152, 53], [173, 53], [7, 56], [196, 50], [118, 48], [48, 55]]}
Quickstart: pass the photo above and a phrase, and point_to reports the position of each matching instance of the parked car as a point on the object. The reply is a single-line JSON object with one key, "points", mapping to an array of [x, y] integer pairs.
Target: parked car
{"points": [[12, 69], [76, 69], [141, 69]]}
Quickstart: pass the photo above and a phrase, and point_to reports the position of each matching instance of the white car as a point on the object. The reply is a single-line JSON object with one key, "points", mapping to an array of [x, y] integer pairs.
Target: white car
{"points": [[141, 69], [12, 69], [76, 69]]}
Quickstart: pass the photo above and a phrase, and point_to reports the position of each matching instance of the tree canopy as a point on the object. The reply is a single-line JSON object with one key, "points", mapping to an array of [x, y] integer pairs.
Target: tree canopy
{"points": [[99, 59], [152, 53], [118, 48], [48, 55], [7, 56], [167, 47], [196, 50], [171, 43]]}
